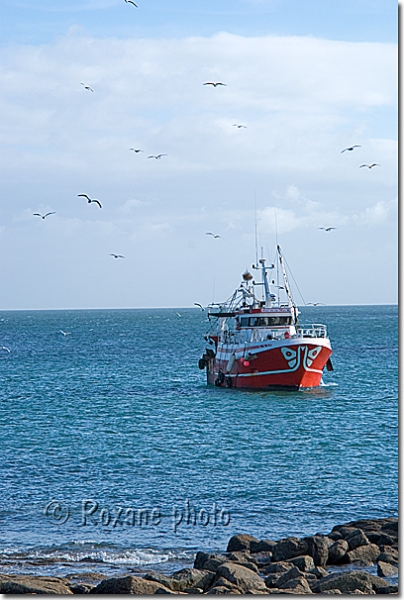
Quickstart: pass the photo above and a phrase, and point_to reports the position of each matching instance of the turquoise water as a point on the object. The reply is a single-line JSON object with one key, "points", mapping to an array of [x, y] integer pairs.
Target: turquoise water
{"points": [[115, 419]]}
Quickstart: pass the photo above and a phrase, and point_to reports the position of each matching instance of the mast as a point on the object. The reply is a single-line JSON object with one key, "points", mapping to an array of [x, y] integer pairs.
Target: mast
{"points": [[286, 283]]}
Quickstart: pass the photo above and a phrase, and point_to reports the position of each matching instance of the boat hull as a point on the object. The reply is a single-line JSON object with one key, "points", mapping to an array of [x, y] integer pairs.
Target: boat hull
{"points": [[291, 364]]}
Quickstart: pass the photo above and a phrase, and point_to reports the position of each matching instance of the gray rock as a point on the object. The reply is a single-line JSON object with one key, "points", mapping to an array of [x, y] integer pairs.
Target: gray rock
{"points": [[297, 585], [364, 555], [224, 590], [389, 555], [304, 563], [27, 584], [129, 585], [317, 548], [334, 591], [82, 588], [277, 567], [194, 590], [348, 582], [356, 538], [385, 569], [209, 562], [185, 578], [335, 535], [286, 548], [293, 573], [388, 589], [262, 546], [337, 552], [240, 576], [263, 559], [319, 572], [243, 558], [241, 541]]}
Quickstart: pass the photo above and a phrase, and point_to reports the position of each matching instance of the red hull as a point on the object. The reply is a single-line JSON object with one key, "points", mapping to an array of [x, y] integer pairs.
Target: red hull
{"points": [[292, 365]]}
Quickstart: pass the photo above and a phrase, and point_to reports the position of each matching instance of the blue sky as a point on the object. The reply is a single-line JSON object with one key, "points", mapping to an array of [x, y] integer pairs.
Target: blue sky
{"points": [[306, 78]]}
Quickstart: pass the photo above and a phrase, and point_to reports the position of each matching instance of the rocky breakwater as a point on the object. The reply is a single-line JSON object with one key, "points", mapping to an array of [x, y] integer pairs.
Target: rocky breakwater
{"points": [[337, 563]]}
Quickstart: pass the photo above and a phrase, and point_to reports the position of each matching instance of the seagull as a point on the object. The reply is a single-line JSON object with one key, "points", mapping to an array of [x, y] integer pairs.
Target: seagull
{"points": [[44, 216], [315, 303], [214, 83], [327, 228], [89, 200], [239, 126], [5, 348], [117, 255], [130, 2], [350, 148], [136, 150], [215, 235], [65, 333], [200, 305], [87, 87], [370, 166], [178, 314], [157, 156]]}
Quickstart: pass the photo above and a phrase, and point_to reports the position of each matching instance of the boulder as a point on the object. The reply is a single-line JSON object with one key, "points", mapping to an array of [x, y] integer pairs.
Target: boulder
{"points": [[297, 585], [82, 588], [385, 569], [317, 548], [221, 589], [185, 578], [348, 582], [241, 541], [389, 555], [262, 546], [364, 555], [277, 567], [27, 584], [209, 562], [130, 585], [304, 563], [356, 538], [337, 552], [243, 558], [293, 573], [263, 559], [319, 572], [286, 548], [240, 576]]}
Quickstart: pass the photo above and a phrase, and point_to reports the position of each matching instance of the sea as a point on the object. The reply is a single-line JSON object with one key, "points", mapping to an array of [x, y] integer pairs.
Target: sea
{"points": [[118, 458]]}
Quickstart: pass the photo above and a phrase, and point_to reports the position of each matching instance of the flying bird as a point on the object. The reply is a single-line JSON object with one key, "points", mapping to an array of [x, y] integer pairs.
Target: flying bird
{"points": [[157, 156], [200, 305], [5, 348], [370, 166], [87, 87], [239, 126], [327, 228], [43, 216], [136, 150], [65, 333], [89, 200], [350, 148], [178, 314], [315, 303], [131, 2], [215, 235], [117, 255], [214, 83]]}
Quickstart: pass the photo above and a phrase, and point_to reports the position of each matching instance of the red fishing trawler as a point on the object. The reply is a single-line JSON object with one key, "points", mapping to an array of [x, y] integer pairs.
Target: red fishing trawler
{"points": [[258, 344]]}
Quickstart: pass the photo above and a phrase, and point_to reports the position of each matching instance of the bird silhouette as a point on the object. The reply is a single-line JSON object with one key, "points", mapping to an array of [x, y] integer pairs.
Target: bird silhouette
{"points": [[117, 255], [5, 348], [350, 148], [65, 333], [327, 228], [89, 200], [87, 87], [157, 156], [214, 83], [200, 305], [43, 216], [370, 166], [131, 2], [136, 150], [215, 235], [239, 126], [315, 303]]}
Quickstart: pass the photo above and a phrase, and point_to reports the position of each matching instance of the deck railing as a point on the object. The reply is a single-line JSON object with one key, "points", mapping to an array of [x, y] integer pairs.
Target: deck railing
{"points": [[261, 334]]}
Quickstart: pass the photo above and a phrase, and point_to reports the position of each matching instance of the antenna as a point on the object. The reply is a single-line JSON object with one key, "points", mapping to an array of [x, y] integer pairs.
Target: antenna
{"points": [[255, 228]]}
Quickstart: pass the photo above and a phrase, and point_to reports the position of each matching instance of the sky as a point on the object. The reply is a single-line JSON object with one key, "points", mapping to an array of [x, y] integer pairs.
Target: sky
{"points": [[305, 79]]}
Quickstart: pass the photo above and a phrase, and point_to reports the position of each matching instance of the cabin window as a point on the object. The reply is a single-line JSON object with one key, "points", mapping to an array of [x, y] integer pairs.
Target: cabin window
{"points": [[265, 321]]}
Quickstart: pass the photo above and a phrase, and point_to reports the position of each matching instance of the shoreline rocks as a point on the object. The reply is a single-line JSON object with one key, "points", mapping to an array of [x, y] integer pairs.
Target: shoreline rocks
{"points": [[318, 564]]}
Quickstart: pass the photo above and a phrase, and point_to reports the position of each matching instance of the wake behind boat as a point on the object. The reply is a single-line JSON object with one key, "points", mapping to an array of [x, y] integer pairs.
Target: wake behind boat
{"points": [[259, 344]]}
